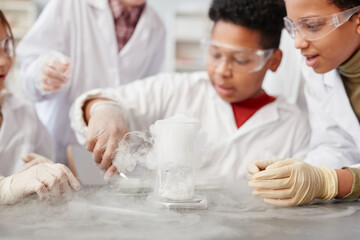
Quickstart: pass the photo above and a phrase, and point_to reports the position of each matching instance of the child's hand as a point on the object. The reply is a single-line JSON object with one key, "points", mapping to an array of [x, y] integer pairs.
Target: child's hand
{"points": [[106, 127], [33, 159], [260, 165], [47, 180], [291, 182]]}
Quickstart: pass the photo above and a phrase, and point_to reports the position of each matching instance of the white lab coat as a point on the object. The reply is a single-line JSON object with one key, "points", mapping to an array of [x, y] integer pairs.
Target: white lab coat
{"points": [[84, 31], [21, 132], [287, 81], [335, 140], [277, 129]]}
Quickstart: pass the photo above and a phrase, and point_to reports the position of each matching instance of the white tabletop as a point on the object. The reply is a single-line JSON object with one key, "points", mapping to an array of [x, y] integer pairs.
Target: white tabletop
{"points": [[102, 213]]}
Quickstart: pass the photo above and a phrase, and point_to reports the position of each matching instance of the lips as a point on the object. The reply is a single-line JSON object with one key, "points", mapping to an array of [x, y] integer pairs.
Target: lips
{"points": [[224, 90], [2, 77], [311, 60]]}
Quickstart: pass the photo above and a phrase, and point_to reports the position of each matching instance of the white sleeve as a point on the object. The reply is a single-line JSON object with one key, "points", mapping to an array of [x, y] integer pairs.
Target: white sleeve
{"points": [[48, 33], [143, 102], [330, 146]]}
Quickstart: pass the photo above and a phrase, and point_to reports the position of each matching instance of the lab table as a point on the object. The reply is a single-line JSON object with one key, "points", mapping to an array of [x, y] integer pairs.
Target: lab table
{"points": [[233, 213]]}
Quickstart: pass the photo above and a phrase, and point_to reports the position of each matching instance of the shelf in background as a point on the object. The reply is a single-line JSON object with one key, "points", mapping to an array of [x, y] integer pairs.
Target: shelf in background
{"points": [[21, 14]]}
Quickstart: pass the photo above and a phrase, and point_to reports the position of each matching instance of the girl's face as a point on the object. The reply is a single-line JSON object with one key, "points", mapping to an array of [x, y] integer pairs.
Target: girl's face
{"points": [[327, 53], [5, 61]]}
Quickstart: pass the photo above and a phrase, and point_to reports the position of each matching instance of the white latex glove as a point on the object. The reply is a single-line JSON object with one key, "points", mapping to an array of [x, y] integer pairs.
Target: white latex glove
{"points": [[54, 72], [48, 180], [106, 128], [33, 159], [293, 182]]}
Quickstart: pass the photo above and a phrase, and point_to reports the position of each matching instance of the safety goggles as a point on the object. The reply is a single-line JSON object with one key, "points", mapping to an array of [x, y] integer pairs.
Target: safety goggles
{"points": [[237, 59], [7, 46], [314, 28]]}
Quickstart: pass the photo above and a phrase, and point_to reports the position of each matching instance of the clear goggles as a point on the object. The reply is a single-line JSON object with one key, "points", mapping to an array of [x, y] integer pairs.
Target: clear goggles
{"points": [[7, 46], [237, 59], [314, 28]]}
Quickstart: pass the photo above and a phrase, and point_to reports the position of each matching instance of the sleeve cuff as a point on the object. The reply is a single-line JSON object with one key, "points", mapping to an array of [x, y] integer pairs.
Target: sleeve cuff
{"points": [[355, 190]]}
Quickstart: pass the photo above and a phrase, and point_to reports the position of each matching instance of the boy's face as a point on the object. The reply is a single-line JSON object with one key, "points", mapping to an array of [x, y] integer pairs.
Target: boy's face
{"points": [[231, 84], [327, 53]]}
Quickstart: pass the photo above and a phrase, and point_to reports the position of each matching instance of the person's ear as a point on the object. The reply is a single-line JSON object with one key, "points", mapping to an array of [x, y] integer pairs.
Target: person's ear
{"points": [[357, 21], [275, 60]]}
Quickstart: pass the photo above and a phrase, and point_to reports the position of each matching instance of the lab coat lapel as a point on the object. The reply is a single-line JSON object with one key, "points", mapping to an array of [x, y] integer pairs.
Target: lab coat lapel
{"points": [[265, 115], [105, 21], [100, 4], [336, 103], [142, 31], [262, 117], [9, 124]]}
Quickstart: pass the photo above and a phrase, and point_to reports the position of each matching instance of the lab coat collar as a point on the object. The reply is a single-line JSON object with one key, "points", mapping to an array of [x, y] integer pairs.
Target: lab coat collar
{"points": [[10, 123], [336, 103], [105, 22], [101, 4], [266, 115], [142, 29], [13, 102], [148, 15], [331, 78]]}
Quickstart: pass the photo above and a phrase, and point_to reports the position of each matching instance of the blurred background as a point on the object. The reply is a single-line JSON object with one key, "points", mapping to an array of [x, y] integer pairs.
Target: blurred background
{"points": [[186, 23]]}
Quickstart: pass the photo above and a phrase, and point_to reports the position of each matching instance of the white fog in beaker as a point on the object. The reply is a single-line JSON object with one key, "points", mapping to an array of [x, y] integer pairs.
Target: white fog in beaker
{"points": [[174, 142]]}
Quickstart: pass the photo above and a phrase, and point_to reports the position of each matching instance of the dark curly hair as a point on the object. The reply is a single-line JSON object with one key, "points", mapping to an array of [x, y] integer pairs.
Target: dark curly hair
{"points": [[265, 16], [344, 4]]}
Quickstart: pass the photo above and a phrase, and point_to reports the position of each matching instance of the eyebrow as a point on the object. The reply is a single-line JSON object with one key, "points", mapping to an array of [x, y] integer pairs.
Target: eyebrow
{"points": [[316, 16], [312, 16]]}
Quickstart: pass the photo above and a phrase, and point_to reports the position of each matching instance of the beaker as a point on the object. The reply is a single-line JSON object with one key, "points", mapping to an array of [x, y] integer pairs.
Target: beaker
{"points": [[175, 142]]}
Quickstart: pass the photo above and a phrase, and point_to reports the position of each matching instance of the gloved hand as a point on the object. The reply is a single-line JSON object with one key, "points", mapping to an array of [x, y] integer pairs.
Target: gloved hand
{"points": [[292, 182], [48, 180], [106, 127], [257, 166], [33, 159], [54, 72]]}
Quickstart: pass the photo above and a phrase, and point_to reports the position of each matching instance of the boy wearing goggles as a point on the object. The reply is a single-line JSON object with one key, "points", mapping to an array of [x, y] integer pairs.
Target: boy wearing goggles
{"points": [[328, 35], [242, 121]]}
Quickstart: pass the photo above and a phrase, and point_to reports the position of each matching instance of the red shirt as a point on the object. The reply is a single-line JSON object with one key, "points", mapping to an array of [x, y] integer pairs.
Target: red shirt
{"points": [[125, 19], [245, 109]]}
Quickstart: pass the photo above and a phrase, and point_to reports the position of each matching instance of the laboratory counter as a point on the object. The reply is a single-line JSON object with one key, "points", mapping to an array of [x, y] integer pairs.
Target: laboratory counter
{"points": [[105, 213]]}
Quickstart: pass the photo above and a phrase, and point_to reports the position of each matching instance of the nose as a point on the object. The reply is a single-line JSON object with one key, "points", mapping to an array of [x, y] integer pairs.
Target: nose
{"points": [[224, 67], [300, 42], [4, 59]]}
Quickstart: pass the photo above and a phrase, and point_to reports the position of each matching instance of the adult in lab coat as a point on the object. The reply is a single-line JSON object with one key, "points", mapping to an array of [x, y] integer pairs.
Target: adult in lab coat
{"points": [[277, 129], [84, 31]]}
